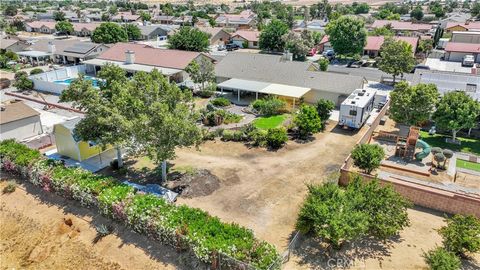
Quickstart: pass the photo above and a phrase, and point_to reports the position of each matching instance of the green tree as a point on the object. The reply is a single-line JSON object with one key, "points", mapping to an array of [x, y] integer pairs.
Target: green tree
{"points": [[36, 71], [106, 17], [441, 259], [455, 111], [475, 9], [189, 39], [201, 71], [362, 8], [425, 46], [417, 13], [133, 31], [22, 82], [64, 27], [347, 35], [145, 16], [109, 32], [324, 108], [298, 45], [367, 156], [307, 121], [276, 137], [323, 64], [461, 235], [59, 16], [10, 10], [396, 57], [413, 105], [382, 31], [271, 37]]}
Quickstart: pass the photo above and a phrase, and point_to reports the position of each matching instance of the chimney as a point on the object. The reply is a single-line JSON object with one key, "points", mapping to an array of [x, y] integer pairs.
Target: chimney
{"points": [[129, 57], [51, 48]]}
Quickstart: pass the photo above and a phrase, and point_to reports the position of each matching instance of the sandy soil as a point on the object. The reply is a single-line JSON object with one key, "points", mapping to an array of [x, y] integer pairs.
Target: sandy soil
{"points": [[403, 252], [263, 190], [34, 235]]}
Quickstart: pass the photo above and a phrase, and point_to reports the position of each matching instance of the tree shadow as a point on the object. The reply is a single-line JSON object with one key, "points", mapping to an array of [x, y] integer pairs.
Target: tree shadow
{"points": [[319, 255], [154, 249]]}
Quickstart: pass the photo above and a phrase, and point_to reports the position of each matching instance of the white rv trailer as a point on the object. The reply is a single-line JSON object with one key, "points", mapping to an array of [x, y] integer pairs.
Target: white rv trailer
{"points": [[355, 110]]}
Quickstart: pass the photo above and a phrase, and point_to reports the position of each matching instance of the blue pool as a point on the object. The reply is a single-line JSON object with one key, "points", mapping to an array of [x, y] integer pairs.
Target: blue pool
{"points": [[69, 81]]}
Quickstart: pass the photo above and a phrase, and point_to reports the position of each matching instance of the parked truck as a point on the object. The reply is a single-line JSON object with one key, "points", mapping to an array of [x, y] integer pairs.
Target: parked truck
{"points": [[355, 110]]}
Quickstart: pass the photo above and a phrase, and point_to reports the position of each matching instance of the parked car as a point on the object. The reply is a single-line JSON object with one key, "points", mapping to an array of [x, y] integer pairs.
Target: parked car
{"points": [[232, 47], [221, 47], [468, 61], [420, 67], [354, 64], [329, 54], [312, 52]]}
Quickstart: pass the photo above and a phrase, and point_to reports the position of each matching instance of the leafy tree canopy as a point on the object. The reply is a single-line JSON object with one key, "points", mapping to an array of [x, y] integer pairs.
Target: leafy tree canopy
{"points": [[461, 235], [271, 37], [64, 27], [307, 120], [133, 31], [396, 57], [201, 71], [59, 16], [347, 35], [189, 39], [109, 32], [368, 156]]}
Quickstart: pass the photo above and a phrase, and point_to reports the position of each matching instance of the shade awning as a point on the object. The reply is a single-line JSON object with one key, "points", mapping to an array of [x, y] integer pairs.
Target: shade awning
{"points": [[132, 67], [264, 87], [34, 53]]}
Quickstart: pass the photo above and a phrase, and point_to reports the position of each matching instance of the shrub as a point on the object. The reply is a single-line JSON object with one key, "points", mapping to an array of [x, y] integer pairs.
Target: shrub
{"points": [[336, 215], [276, 137], [233, 135], [323, 64], [179, 226], [258, 137], [10, 187], [218, 117], [269, 106], [462, 234], [325, 108], [36, 71], [4, 83], [22, 82], [367, 156], [307, 121], [205, 93], [221, 102], [441, 259]]}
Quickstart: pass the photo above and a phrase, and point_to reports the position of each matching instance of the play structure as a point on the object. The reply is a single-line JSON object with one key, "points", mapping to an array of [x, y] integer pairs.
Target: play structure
{"points": [[406, 146]]}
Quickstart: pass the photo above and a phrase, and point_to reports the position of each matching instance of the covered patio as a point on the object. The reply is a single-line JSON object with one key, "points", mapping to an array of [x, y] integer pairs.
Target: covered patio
{"points": [[35, 58], [288, 93]]}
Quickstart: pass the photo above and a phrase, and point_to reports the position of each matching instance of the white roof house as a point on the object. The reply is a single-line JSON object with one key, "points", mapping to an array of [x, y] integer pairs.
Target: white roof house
{"points": [[447, 81]]}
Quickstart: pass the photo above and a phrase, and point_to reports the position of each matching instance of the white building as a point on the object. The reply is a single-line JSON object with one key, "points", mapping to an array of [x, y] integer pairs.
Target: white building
{"points": [[447, 81], [19, 121], [355, 110]]}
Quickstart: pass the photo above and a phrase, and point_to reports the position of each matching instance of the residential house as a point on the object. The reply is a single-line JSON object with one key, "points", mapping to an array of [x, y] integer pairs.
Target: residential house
{"points": [[374, 43], [126, 17], [313, 25], [45, 27], [154, 31], [455, 51], [466, 37], [138, 57], [217, 35], [69, 144], [19, 121], [252, 73], [163, 19], [467, 26], [12, 44], [244, 20], [246, 38], [84, 29], [405, 28], [324, 44], [447, 81]]}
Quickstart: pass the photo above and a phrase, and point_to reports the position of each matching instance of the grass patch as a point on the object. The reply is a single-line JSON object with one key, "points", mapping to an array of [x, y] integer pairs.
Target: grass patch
{"points": [[467, 145], [270, 121], [468, 165]]}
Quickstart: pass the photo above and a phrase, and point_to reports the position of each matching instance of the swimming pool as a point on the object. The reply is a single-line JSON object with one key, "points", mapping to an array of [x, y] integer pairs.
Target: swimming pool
{"points": [[70, 80]]}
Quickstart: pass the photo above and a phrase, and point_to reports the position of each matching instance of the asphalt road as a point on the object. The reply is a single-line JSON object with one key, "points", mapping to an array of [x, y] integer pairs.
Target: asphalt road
{"points": [[371, 74]]}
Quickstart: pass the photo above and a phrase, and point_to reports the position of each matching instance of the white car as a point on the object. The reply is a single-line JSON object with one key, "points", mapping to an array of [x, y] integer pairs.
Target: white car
{"points": [[468, 61]]}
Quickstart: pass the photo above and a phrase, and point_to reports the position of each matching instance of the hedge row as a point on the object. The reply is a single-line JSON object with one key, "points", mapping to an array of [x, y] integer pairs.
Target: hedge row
{"points": [[179, 226]]}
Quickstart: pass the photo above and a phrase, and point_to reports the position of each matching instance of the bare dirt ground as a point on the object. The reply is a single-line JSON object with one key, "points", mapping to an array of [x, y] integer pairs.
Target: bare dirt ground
{"points": [[34, 235], [402, 252], [261, 189]]}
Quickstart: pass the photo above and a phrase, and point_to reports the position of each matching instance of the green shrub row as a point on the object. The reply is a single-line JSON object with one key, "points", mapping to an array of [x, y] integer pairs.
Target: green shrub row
{"points": [[221, 102], [269, 106], [180, 226]]}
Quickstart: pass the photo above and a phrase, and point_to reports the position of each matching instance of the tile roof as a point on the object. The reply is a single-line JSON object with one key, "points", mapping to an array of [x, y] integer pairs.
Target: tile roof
{"points": [[399, 25], [273, 69], [63, 46], [249, 35], [51, 25], [16, 111], [374, 43], [462, 47], [147, 55], [469, 25], [213, 31]]}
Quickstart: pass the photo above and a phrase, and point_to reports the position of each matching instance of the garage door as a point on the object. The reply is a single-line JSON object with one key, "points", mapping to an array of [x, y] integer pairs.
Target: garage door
{"points": [[456, 56]]}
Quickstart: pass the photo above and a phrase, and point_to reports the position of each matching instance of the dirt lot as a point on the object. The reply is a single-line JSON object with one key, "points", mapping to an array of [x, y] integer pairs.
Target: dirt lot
{"points": [[403, 252], [263, 190], [34, 235]]}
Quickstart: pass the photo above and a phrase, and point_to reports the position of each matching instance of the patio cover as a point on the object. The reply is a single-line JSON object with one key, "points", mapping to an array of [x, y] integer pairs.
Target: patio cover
{"points": [[33, 53], [132, 67], [265, 88]]}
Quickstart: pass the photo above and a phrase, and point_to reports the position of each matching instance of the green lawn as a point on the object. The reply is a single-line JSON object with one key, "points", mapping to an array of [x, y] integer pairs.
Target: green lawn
{"points": [[270, 121], [468, 165], [468, 145]]}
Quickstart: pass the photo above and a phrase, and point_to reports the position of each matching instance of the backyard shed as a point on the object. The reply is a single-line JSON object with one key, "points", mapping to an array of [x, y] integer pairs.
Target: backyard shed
{"points": [[19, 121]]}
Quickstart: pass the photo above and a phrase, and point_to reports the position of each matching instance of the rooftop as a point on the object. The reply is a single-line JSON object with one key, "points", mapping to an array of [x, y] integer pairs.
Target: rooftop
{"points": [[249, 35], [16, 111], [462, 47], [399, 25]]}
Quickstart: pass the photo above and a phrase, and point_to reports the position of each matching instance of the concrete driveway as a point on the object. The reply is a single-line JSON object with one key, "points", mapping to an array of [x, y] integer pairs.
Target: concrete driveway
{"points": [[437, 64]]}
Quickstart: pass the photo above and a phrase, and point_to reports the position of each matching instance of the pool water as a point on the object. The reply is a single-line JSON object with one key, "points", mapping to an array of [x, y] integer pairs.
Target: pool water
{"points": [[70, 80]]}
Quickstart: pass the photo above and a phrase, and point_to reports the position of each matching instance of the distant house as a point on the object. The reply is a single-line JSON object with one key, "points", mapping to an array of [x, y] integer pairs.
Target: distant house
{"points": [[313, 25], [466, 37], [447, 81], [163, 19], [69, 144], [84, 29], [374, 43], [138, 57], [152, 32], [45, 27], [259, 74], [19, 121], [126, 17], [246, 37], [324, 44], [455, 51], [217, 35], [403, 28], [244, 20], [467, 26], [12, 44]]}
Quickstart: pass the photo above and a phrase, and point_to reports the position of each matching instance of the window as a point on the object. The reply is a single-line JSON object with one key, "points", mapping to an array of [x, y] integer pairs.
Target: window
{"points": [[255, 43], [353, 112]]}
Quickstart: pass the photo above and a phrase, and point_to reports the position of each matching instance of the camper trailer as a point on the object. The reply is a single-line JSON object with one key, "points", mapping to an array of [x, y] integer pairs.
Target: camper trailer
{"points": [[355, 110]]}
